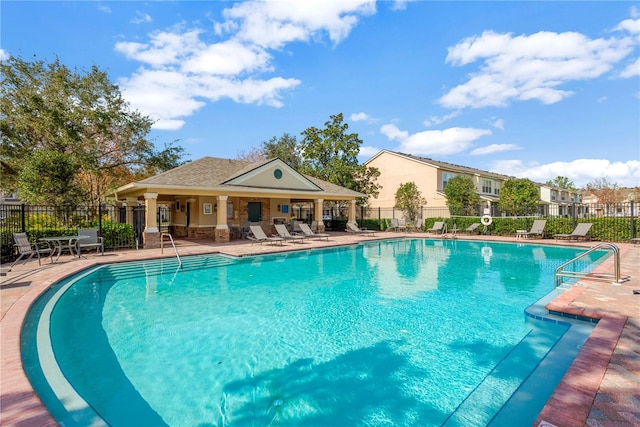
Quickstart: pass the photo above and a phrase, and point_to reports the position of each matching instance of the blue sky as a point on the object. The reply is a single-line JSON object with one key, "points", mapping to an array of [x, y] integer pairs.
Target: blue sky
{"points": [[529, 89]]}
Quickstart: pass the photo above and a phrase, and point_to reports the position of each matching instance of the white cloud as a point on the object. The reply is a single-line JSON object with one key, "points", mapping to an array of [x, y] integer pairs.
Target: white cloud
{"points": [[274, 24], [633, 70], [435, 120], [362, 117], [103, 8], [494, 148], [498, 123], [400, 4], [580, 171], [168, 95], [434, 142], [366, 151], [164, 48], [4, 55], [629, 25], [141, 18], [359, 117], [182, 72], [530, 67]]}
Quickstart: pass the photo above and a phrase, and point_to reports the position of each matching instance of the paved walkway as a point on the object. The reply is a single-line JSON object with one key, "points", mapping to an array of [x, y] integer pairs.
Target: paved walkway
{"points": [[601, 388]]}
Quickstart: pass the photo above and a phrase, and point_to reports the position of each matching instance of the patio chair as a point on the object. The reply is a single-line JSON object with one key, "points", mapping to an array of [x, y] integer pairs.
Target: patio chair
{"points": [[310, 234], [537, 229], [393, 225], [284, 233], [352, 227], [470, 229], [27, 248], [438, 228], [92, 240], [581, 231], [258, 235]]}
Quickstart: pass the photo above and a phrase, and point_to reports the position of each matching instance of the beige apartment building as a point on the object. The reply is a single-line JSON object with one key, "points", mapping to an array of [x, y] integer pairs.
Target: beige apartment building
{"points": [[431, 177]]}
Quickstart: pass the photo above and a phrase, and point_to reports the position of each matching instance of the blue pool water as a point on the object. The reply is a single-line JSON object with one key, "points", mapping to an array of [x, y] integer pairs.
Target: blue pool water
{"points": [[390, 333]]}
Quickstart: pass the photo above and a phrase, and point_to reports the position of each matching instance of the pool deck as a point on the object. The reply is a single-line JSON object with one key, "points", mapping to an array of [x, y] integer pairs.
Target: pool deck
{"points": [[601, 387]]}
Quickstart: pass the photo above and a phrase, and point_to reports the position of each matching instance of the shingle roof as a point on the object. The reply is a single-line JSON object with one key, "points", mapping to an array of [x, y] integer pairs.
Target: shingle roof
{"points": [[204, 172], [452, 167], [214, 172]]}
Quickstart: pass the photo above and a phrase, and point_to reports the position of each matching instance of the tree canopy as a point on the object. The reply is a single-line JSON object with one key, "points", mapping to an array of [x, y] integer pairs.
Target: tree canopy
{"points": [[461, 194], [519, 196], [409, 199], [562, 182], [286, 148], [81, 116], [607, 192], [331, 154]]}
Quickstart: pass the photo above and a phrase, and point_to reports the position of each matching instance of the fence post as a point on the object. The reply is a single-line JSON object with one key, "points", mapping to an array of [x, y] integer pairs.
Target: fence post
{"points": [[632, 232], [23, 225], [99, 219]]}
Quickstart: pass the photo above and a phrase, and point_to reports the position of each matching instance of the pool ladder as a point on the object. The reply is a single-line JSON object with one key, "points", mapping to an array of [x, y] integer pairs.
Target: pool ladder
{"points": [[162, 236], [615, 277]]}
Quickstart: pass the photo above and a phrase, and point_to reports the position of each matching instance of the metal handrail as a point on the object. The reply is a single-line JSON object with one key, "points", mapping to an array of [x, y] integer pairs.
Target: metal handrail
{"points": [[162, 236], [559, 273]]}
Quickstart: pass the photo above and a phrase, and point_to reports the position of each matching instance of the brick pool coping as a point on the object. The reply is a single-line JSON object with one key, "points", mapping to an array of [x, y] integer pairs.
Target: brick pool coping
{"points": [[570, 405]]}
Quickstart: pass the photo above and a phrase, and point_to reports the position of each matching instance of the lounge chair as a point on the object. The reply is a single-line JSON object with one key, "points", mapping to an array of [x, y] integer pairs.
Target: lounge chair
{"points": [[397, 225], [438, 228], [27, 248], [352, 227], [310, 234], [258, 235], [91, 241], [284, 234], [581, 231], [537, 229], [470, 229]]}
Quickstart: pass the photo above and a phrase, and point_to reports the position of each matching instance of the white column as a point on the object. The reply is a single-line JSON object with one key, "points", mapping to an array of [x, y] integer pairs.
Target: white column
{"points": [[318, 210], [221, 217], [150, 216], [352, 211]]}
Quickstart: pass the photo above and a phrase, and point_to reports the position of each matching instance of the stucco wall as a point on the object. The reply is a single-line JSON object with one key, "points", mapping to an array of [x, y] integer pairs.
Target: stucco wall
{"points": [[395, 170]]}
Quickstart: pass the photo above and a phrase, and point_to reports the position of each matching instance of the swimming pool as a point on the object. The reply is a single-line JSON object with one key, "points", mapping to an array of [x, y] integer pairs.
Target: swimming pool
{"points": [[400, 332]]}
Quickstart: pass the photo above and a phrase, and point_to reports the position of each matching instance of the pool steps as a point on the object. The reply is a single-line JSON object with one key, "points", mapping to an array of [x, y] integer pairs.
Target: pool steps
{"points": [[532, 372]]}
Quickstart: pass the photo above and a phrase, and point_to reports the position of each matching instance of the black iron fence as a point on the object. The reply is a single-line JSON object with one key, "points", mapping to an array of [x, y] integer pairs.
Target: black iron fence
{"points": [[613, 222], [119, 226]]}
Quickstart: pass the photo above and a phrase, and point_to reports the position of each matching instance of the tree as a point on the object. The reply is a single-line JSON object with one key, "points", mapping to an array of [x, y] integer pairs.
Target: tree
{"points": [[81, 115], [409, 199], [331, 155], [253, 155], [519, 196], [606, 192], [462, 198], [286, 148], [47, 177], [562, 182]]}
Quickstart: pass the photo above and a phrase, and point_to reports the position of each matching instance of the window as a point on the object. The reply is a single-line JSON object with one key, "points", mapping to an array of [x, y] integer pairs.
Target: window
{"points": [[446, 176], [486, 186], [496, 189], [229, 210]]}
